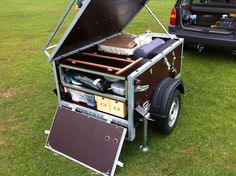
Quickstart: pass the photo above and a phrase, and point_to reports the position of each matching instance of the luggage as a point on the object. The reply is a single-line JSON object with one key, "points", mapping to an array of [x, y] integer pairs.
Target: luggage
{"points": [[93, 82], [207, 20], [228, 23], [87, 80], [148, 48]]}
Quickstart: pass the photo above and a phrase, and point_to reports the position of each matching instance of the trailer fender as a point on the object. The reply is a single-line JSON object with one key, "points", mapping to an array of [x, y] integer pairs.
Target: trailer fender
{"points": [[162, 96]]}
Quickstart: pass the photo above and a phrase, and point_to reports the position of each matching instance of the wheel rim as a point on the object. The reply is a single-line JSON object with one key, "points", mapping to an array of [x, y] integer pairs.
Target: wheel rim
{"points": [[173, 113]]}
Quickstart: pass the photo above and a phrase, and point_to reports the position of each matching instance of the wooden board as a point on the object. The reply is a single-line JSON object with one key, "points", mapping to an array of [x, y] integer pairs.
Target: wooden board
{"points": [[90, 142]]}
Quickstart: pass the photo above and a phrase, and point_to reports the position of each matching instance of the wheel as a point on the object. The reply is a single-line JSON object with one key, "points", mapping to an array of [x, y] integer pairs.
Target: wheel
{"points": [[166, 125]]}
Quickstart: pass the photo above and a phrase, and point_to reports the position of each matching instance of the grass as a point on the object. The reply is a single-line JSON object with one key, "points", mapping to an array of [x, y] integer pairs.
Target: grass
{"points": [[204, 142]]}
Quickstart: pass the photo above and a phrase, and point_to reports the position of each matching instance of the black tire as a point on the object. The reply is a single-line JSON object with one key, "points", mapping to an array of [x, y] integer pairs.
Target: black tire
{"points": [[167, 125]]}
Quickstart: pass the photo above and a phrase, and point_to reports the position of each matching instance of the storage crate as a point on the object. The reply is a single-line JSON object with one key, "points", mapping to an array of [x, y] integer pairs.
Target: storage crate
{"points": [[118, 108], [103, 104], [79, 96], [113, 107]]}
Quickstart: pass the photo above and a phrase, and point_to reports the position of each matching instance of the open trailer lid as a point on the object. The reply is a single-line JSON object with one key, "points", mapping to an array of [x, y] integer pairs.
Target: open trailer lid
{"points": [[97, 20]]}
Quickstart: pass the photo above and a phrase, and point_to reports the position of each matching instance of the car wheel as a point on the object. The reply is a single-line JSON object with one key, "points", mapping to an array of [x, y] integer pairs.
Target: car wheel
{"points": [[166, 125]]}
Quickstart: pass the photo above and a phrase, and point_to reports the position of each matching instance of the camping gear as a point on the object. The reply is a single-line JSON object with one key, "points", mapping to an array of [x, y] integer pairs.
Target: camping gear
{"points": [[206, 20], [144, 90], [70, 78], [92, 81], [79, 96], [114, 107], [124, 44], [146, 49], [228, 23], [118, 88]]}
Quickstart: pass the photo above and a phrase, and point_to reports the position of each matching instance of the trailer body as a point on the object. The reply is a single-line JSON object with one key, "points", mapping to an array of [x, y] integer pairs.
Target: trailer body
{"points": [[93, 135]]}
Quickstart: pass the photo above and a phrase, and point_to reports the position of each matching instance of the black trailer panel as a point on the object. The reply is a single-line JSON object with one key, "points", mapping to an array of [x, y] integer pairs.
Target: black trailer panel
{"points": [[97, 20], [88, 141]]}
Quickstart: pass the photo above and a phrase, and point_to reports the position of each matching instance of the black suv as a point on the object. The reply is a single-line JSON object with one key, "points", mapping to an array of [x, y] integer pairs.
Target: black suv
{"points": [[205, 22]]}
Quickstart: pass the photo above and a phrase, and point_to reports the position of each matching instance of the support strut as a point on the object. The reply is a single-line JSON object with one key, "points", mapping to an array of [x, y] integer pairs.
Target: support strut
{"points": [[144, 146]]}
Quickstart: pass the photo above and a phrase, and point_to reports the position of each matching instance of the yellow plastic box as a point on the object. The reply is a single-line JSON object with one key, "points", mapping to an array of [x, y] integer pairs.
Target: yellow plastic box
{"points": [[118, 108], [103, 104], [111, 106]]}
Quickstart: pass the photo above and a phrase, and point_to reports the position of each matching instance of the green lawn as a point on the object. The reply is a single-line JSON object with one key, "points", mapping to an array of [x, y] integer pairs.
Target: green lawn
{"points": [[204, 142]]}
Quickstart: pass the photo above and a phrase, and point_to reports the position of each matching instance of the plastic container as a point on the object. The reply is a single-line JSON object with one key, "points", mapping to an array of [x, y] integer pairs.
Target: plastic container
{"points": [[91, 100], [118, 88], [79, 96], [113, 107], [103, 104], [118, 108]]}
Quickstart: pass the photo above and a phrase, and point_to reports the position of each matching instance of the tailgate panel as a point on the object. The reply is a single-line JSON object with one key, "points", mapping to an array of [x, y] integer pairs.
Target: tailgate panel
{"points": [[88, 141]]}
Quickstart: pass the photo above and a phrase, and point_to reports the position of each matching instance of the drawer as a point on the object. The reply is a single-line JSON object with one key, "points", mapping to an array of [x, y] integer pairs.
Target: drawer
{"points": [[118, 108], [103, 104]]}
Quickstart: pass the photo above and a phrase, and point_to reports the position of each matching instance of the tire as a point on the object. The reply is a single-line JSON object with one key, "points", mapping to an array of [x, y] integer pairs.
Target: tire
{"points": [[167, 125]]}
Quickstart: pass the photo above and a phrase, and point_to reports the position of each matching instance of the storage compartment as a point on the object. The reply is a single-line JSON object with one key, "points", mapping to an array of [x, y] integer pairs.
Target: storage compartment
{"points": [[111, 106], [101, 62], [79, 96], [208, 17]]}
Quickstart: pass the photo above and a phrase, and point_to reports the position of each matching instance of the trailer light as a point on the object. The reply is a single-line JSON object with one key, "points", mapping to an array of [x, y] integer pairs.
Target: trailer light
{"points": [[173, 17]]}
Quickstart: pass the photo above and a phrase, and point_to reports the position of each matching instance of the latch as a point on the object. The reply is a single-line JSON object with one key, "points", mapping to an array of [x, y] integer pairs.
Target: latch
{"points": [[167, 63], [73, 108], [171, 67], [107, 119], [141, 88]]}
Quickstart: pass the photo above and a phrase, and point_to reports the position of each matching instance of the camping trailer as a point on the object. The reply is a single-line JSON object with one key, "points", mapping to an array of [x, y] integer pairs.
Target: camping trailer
{"points": [[109, 81]]}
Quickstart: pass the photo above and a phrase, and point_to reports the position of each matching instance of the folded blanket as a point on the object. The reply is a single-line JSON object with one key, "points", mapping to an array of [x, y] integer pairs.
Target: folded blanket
{"points": [[124, 44]]}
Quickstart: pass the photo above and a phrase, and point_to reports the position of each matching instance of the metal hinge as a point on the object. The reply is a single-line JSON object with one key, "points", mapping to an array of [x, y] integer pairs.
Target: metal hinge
{"points": [[73, 108], [120, 164], [107, 119], [47, 132]]}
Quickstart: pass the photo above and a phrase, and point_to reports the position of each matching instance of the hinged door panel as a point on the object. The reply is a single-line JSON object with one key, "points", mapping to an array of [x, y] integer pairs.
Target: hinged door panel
{"points": [[90, 142]]}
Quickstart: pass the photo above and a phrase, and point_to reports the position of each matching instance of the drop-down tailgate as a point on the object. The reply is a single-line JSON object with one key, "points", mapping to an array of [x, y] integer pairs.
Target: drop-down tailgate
{"points": [[90, 142]]}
